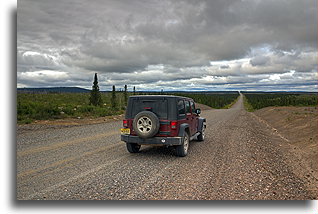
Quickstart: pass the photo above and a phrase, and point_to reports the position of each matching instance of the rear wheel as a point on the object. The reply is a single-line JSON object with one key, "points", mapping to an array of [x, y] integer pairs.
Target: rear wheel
{"points": [[182, 150], [133, 147]]}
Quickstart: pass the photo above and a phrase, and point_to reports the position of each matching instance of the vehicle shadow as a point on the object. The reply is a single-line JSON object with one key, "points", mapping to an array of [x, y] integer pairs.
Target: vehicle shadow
{"points": [[163, 151], [159, 151]]}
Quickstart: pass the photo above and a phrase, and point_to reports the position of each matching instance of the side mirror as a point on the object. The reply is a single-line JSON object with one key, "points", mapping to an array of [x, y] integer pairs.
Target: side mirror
{"points": [[197, 111]]}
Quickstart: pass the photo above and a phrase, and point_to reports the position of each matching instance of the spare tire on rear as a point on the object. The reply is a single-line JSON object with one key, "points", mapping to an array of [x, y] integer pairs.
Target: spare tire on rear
{"points": [[146, 124]]}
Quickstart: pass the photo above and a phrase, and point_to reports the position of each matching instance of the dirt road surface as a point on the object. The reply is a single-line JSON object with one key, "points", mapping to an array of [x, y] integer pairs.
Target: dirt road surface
{"points": [[241, 158]]}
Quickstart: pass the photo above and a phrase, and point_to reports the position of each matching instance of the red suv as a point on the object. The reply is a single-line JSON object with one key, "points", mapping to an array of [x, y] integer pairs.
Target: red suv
{"points": [[162, 120]]}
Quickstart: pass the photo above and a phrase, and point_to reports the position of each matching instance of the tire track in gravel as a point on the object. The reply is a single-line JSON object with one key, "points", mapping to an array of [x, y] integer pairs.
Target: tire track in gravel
{"points": [[73, 159], [73, 179], [65, 171], [110, 180], [64, 144], [46, 163], [35, 158], [138, 191]]}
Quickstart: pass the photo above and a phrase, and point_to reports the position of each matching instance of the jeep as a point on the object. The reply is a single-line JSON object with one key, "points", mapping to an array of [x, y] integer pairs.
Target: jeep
{"points": [[162, 120]]}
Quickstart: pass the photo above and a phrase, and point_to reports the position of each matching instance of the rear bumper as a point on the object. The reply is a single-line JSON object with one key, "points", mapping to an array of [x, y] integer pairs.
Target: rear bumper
{"points": [[170, 141]]}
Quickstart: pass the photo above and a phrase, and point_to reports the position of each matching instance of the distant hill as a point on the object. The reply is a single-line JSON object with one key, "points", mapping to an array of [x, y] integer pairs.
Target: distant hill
{"points": [[53, 90]]}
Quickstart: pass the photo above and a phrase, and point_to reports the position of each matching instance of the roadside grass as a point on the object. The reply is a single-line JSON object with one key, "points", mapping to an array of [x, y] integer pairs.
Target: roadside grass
{"points": [[248, 107], [31, 107], [231, 104]]}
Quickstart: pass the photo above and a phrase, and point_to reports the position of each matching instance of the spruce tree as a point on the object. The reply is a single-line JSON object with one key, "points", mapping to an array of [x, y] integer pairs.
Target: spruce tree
{"points": [[113, 98], [95, 98], [134, 90]]}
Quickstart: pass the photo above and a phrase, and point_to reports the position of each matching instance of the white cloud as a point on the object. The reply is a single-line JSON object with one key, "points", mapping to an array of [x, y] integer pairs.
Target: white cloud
{"points": [[43, 75]]}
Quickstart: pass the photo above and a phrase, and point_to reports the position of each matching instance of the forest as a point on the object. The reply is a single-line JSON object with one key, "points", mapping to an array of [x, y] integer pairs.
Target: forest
{"points": [[256, 101]]}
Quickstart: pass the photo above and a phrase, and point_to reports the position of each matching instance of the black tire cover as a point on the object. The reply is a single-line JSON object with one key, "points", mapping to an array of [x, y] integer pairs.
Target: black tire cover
{"points": [[154, 122]]}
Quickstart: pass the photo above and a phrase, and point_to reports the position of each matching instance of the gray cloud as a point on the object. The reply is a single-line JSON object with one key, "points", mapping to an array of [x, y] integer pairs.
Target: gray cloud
{"points": [[260, 60], [124, 40]]}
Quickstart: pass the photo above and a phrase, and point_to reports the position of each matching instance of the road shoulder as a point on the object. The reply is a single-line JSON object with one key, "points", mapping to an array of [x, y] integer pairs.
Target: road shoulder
{"points": [[297, 129]]}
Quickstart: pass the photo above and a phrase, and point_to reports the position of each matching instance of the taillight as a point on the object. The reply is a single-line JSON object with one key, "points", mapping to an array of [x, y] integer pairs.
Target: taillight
{"points": [[125, 123], [173, 124]]}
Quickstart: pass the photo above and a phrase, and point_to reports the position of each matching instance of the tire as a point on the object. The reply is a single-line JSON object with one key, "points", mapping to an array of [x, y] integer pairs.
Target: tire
{"points": [[133, 147], [182, 150], [201, 136], [146, 124]]}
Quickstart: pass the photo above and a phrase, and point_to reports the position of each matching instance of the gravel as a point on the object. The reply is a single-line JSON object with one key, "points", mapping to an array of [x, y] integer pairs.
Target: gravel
{"points": [[240, 159]]}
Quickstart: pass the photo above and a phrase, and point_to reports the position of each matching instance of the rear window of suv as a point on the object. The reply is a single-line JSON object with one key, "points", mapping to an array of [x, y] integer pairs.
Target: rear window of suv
{"points": [[157, 106]]}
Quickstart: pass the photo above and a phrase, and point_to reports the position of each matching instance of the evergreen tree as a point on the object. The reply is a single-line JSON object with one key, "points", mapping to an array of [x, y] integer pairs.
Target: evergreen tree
{"points": [[134, 90], [95, 98], [113, 98], [125, 95]]}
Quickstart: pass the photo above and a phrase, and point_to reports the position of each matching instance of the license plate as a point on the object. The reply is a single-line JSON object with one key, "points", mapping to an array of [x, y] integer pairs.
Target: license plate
{"points": [[125, 131]]}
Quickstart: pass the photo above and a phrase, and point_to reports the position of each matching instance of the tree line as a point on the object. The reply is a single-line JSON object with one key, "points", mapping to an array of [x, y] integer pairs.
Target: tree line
{"points": [[214, 100], [258, 101]]}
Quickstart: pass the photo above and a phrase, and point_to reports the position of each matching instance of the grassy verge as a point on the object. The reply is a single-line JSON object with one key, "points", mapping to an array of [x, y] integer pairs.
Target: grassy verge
{"points": [[248, 107], [31, 107], [231, 104]]}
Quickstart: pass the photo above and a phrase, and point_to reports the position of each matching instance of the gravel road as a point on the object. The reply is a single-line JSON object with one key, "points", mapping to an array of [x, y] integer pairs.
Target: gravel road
{"points": [[241, 159]]}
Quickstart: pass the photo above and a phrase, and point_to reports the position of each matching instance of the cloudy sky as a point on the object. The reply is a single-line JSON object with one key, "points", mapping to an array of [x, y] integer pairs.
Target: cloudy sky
{"points": [[171, 45]]}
